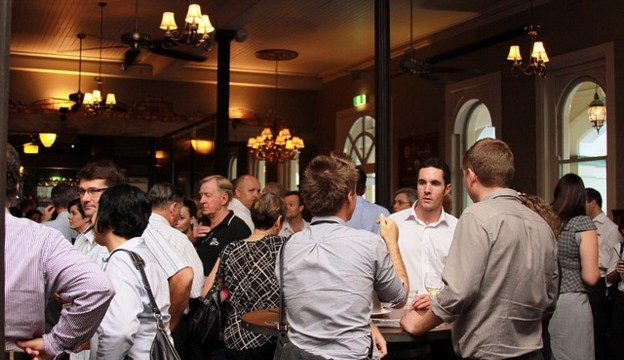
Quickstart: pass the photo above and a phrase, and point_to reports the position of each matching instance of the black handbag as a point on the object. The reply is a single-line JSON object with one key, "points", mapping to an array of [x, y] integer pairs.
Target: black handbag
{"points": [[205, 315], [162, 348]]}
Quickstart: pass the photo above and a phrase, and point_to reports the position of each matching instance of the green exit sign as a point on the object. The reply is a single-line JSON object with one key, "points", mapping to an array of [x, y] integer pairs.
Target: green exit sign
{"points": [[359, 100]]}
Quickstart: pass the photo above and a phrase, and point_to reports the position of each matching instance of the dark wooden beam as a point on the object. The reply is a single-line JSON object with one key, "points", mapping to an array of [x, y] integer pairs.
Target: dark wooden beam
{"points": [[5, 35]]}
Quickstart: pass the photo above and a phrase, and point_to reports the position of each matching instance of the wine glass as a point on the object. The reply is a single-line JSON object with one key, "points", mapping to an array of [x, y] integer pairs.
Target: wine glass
{"points": [[433, 283]]}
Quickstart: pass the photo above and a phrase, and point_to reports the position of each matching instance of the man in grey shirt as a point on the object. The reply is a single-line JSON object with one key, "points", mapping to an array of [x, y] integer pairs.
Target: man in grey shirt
{"points": [[331, 270], [501, 272]]}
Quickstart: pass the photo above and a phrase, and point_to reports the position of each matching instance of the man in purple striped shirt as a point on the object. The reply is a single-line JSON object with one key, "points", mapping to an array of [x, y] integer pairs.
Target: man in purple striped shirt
{"points": [[40, 262]]}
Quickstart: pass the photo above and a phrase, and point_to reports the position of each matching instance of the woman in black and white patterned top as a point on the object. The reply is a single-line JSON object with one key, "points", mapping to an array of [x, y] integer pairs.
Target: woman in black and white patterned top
{"points": [[247, 268], [571, 326]]}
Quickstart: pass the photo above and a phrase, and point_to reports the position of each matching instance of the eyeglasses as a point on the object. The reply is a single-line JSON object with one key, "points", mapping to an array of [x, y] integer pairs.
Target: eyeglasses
{"points": [[400, 202], [90, 191]]}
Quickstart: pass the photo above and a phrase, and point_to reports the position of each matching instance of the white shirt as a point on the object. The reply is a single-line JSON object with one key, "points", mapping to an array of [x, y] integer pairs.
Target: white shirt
{"points": [[287, 230], [424, 247], [609, 240], [242, 212], [156, 237], [85, 243], [184, 248], [129, 326]]}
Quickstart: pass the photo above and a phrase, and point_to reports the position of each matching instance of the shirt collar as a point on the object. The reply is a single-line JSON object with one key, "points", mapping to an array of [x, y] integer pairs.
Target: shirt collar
{"points": [[508, 193], [443, 219], [331, 218], [158, 219], [600, 218]]}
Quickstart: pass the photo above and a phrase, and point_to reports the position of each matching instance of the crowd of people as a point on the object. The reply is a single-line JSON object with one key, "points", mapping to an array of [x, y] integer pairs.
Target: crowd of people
{"points": [[520, 278]]}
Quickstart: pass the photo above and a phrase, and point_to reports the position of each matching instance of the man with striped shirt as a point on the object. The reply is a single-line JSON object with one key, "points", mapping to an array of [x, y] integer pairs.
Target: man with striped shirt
{"points": [[40, 262]]}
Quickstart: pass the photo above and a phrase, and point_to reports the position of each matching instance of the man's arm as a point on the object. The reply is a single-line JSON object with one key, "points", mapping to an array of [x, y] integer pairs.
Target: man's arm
{"points": [[79, 280], [419, 322], [179, 290], [389, 231]]}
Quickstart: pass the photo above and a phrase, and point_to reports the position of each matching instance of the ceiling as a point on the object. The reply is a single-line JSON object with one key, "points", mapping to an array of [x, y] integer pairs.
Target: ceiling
{"points": [[330, 36]]}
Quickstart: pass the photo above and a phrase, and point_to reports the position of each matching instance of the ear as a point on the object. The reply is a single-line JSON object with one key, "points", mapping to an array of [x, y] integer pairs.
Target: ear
{"points": [[447, 189]]}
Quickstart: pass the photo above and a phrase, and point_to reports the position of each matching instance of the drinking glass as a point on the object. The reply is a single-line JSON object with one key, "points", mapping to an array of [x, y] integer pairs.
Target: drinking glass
{"points": [[433, 283]]}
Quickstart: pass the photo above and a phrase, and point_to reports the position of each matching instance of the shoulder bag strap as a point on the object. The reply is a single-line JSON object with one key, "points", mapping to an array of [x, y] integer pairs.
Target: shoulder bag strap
{"points": [[281, 324], [140, 264]]}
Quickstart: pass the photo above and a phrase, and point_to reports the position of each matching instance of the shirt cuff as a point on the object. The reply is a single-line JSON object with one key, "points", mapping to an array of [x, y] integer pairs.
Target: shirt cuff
{"points": [[51, 347]]}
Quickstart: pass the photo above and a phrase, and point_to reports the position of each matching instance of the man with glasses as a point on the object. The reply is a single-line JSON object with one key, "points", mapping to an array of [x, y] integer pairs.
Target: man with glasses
{"points": [[93, 179], [404, 198]]}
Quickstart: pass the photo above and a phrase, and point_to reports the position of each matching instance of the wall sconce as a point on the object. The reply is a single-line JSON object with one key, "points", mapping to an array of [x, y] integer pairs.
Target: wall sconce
{"points": [[47, 139], [31, 148], [161, 154], [202, 146]]}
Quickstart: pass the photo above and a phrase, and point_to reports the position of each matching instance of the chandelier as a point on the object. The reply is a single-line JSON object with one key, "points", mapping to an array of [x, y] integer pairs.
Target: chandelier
{"points": [[597, 112], [196, 31], [94, 102], [536, 65], [284, 146]]}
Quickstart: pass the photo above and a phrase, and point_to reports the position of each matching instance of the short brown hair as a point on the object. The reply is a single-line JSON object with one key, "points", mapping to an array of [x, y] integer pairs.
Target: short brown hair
{"points": [[492, 161], [327, 182], [106, 170], [223, 185]]}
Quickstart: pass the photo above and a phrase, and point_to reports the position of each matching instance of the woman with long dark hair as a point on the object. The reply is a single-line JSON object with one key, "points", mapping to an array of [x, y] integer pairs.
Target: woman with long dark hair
{"points": [[571, 326]]}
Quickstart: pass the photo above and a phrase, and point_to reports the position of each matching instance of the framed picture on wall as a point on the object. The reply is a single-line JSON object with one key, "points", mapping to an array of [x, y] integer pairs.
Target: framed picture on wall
{"points": [[413, 150]]}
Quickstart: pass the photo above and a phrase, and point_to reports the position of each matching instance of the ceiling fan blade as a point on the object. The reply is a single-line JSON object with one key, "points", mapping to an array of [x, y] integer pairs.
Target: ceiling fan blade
{"points": [[129, 58], [176, 54]]}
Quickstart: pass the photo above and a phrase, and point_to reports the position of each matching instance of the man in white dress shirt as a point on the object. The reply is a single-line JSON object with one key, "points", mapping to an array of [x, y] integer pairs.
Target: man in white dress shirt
{"points": [[609, 240], [246, 191], [426, 230]]}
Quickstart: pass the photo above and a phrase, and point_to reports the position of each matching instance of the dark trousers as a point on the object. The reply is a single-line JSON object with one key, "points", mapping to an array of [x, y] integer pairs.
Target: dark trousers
{"points": [[617, 329], [601, 310], [260, 353]]}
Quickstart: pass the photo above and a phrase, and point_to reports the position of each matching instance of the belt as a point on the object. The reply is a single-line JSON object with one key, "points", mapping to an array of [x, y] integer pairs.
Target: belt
{"points": [[14, 355]]}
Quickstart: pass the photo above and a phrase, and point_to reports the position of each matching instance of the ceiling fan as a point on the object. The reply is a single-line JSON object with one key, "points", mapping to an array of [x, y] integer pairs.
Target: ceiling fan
{"points": [[138, 41], [423, 68]]}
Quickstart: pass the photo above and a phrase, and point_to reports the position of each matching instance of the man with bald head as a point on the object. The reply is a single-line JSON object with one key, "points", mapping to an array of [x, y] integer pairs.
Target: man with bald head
{"points": [[246, 191]]}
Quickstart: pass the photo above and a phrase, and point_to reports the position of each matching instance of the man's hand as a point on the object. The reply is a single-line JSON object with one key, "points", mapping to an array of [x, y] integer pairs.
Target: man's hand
{"points": [[388, 229], [34, 348], [200, 231], [379, 340], [47, 213], [421, 302]]}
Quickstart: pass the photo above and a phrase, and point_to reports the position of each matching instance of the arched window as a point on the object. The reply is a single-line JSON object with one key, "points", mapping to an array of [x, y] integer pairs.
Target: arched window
{"points": [[583, 150], [360, 146], [478, 125], [360, 142]]}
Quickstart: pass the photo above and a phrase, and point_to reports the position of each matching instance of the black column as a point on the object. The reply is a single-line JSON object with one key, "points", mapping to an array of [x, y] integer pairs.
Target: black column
{"points": [[224, 40], [5, 35], [383, 123]]}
